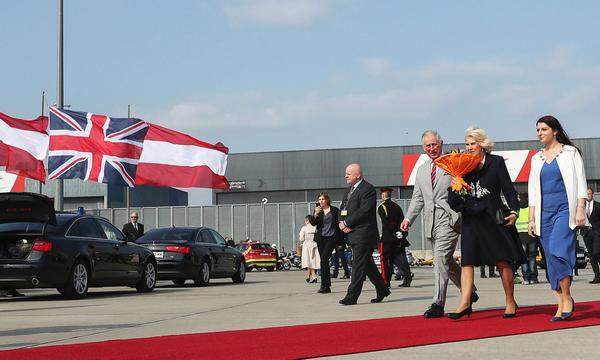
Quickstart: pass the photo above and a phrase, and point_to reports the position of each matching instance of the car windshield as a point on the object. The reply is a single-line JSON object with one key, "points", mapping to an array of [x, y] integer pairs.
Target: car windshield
{"points": [[167, 234], [261, 247]]}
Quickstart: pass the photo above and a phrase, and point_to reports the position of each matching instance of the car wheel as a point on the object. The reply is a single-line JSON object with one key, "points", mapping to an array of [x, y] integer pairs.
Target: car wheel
{"points": [[249, 268], [203, 276], [179, 282], [270, 268], [240, 276], [148, 280], [77, 285]]}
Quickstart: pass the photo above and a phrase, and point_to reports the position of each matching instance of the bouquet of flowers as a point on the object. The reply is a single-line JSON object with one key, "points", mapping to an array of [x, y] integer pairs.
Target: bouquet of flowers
{"points": [[459, 164]]}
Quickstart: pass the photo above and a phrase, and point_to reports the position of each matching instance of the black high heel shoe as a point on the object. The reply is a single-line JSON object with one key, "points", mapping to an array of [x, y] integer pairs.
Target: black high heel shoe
{"points": [[511, 315], [457, 315]]}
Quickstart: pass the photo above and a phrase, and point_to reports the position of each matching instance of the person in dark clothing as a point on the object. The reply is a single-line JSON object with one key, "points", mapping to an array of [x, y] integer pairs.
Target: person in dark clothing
{"points": [[358, 215], [491, 271], [339, 255], [488, 233], [529, 243], [591, 234], [133, 229], [326, 218], [392, 247]]}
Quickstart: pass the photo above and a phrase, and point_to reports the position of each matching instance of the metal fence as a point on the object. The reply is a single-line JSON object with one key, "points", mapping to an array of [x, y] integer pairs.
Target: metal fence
{"points": [[273, 223]]}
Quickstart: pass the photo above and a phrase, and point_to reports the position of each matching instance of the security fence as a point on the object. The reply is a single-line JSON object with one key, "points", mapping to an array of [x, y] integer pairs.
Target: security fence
{"points": [[273, 223]]}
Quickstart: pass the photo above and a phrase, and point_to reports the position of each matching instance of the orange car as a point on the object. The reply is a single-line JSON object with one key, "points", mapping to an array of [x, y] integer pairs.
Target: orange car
{"points": [[258, 255]]}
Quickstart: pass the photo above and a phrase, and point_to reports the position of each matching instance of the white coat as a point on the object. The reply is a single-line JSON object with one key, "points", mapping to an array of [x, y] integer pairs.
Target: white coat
{"points": [[571, 168]]}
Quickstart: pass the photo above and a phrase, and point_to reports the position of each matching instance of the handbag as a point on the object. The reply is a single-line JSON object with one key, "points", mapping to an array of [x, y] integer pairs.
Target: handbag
{"points": [[299, 250]]}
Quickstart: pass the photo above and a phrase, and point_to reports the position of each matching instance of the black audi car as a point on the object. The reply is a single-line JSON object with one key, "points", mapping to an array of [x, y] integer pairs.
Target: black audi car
{"points": [[41, 248], [197, 253]]}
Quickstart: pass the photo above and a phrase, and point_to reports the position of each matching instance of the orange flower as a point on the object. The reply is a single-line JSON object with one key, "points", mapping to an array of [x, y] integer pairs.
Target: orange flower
{"points": [[458, 165]]}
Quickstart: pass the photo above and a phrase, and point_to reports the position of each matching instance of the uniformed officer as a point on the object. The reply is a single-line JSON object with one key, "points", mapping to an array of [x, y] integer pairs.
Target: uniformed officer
{"points": [[392, 247]]}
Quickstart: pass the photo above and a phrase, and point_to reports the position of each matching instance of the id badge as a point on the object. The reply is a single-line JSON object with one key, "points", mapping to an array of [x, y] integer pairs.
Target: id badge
{"points": [[344, 213]]}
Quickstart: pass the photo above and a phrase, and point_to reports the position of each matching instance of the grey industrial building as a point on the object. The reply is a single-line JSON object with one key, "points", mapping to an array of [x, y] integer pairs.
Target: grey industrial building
{"points": [[298, 176], [92, 195]]}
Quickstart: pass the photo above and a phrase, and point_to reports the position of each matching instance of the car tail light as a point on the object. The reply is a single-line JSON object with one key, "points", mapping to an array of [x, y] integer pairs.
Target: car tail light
{"points": [[42, 245], [178, 249]]}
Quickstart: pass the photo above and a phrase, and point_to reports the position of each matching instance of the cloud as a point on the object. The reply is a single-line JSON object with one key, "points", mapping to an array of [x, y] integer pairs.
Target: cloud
{"points": [[376, 66], [469, 69], [294, 13], [256, 112]]}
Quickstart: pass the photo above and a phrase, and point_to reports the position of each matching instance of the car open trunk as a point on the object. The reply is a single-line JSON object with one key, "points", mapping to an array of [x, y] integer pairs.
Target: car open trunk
{"points": [[23, 219]]}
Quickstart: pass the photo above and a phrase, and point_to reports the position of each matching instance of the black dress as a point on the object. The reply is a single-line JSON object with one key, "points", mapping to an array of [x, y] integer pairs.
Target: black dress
{"points": [[483, 240]]}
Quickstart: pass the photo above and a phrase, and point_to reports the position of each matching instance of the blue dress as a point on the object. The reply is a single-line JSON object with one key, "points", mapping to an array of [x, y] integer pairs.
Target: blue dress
{"points": [[558, 240]]}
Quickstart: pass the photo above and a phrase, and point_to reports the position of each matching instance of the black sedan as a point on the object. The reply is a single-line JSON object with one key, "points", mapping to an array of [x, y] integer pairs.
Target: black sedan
{"points": [[197, 253], [43, 249]]}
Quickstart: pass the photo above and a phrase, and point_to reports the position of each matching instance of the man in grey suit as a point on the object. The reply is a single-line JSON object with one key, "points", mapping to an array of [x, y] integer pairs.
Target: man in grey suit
{"points": [[441, 223]]}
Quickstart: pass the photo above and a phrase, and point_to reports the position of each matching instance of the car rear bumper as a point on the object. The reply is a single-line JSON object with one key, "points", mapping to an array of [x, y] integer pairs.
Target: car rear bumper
{"points": [[30, 275], [169, 270], [260, 262]]}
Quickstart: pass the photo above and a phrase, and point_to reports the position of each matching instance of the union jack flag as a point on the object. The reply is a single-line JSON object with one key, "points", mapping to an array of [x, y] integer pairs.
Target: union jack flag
{"points": [[94, 147]]}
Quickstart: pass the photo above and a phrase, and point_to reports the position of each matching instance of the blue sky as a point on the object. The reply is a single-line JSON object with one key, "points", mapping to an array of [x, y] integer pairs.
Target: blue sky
{"points": [[303, 74]]}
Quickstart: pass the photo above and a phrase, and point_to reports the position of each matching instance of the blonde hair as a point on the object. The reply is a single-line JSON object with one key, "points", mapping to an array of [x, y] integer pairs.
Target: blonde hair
{"points": [[480, 137]]}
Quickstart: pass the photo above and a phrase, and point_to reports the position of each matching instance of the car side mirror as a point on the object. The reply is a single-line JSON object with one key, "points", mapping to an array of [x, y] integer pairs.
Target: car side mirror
{"points": [[230, 243]]}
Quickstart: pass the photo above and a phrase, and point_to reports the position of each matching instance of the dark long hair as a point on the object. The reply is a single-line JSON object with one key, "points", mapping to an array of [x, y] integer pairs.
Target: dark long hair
{"points": [[561, 134]]}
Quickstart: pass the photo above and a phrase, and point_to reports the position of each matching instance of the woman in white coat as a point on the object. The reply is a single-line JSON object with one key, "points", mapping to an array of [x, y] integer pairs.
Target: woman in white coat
{"points": [[310, 254], [557, 193]]}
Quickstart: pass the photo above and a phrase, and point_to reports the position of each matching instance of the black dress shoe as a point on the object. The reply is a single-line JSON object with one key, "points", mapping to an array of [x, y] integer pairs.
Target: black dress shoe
{"points": [[474, 297], [380, 297], [346, 276], [595, 281], [324, 290], [407, 280], [334, 275], [434, 311], [345, 301], [483, 276], [457, 315]]}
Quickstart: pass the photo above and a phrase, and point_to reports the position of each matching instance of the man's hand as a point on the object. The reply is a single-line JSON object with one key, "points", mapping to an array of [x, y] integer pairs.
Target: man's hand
{"points": [[510, 220], [345, 229], [405, 225]]}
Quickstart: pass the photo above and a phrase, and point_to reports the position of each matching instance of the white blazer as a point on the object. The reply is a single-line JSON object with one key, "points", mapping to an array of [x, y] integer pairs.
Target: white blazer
{"points": [[571, 168]]}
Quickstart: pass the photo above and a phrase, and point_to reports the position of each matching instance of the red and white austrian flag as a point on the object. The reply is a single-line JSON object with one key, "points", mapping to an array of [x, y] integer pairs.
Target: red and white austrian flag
{"points": [[24, 146], [171, 158]]}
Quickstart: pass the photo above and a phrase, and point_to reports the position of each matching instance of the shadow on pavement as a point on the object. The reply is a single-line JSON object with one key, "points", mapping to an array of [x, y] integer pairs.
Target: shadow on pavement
{"points": [[62, 329]]}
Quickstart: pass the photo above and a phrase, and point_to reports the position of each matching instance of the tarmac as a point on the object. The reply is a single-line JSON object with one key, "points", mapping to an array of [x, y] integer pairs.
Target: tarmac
{"points": [[269, 299]]}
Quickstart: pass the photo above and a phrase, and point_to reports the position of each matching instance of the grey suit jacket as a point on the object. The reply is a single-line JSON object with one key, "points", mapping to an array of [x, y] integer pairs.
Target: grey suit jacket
{"points": [[425, 197]]}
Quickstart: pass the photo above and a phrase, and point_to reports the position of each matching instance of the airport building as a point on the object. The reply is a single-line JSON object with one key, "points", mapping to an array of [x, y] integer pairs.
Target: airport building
{"points": [[298, 176]]}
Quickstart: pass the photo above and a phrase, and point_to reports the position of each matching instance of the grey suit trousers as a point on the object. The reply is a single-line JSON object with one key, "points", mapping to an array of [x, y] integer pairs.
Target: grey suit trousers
{"points": [[443, 243]]}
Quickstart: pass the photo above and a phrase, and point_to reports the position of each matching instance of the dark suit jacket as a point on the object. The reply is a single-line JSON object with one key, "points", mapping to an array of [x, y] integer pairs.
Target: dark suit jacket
{"points": [[318, 222], [361, 215], [131, 233], [591, 235], [391, 216]]}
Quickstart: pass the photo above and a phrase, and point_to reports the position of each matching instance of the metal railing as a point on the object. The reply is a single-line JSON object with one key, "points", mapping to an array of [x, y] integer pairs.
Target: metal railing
{"points": [[277, 223]]}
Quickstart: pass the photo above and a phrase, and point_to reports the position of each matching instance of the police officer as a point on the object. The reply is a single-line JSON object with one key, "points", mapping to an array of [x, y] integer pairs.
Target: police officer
{"points": [[392, 246]]}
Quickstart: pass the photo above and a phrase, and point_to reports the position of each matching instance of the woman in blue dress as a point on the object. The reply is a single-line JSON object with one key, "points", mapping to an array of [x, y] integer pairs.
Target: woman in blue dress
{"points": [[557, 193]]}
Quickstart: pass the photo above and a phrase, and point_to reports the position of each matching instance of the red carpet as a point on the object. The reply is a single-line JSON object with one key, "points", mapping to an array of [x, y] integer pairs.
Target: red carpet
{"points": [[305, 341]]}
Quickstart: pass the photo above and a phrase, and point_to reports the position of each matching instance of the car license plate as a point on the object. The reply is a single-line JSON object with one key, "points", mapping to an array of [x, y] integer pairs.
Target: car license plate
{"points": [[265, 254], [158, 254]]}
